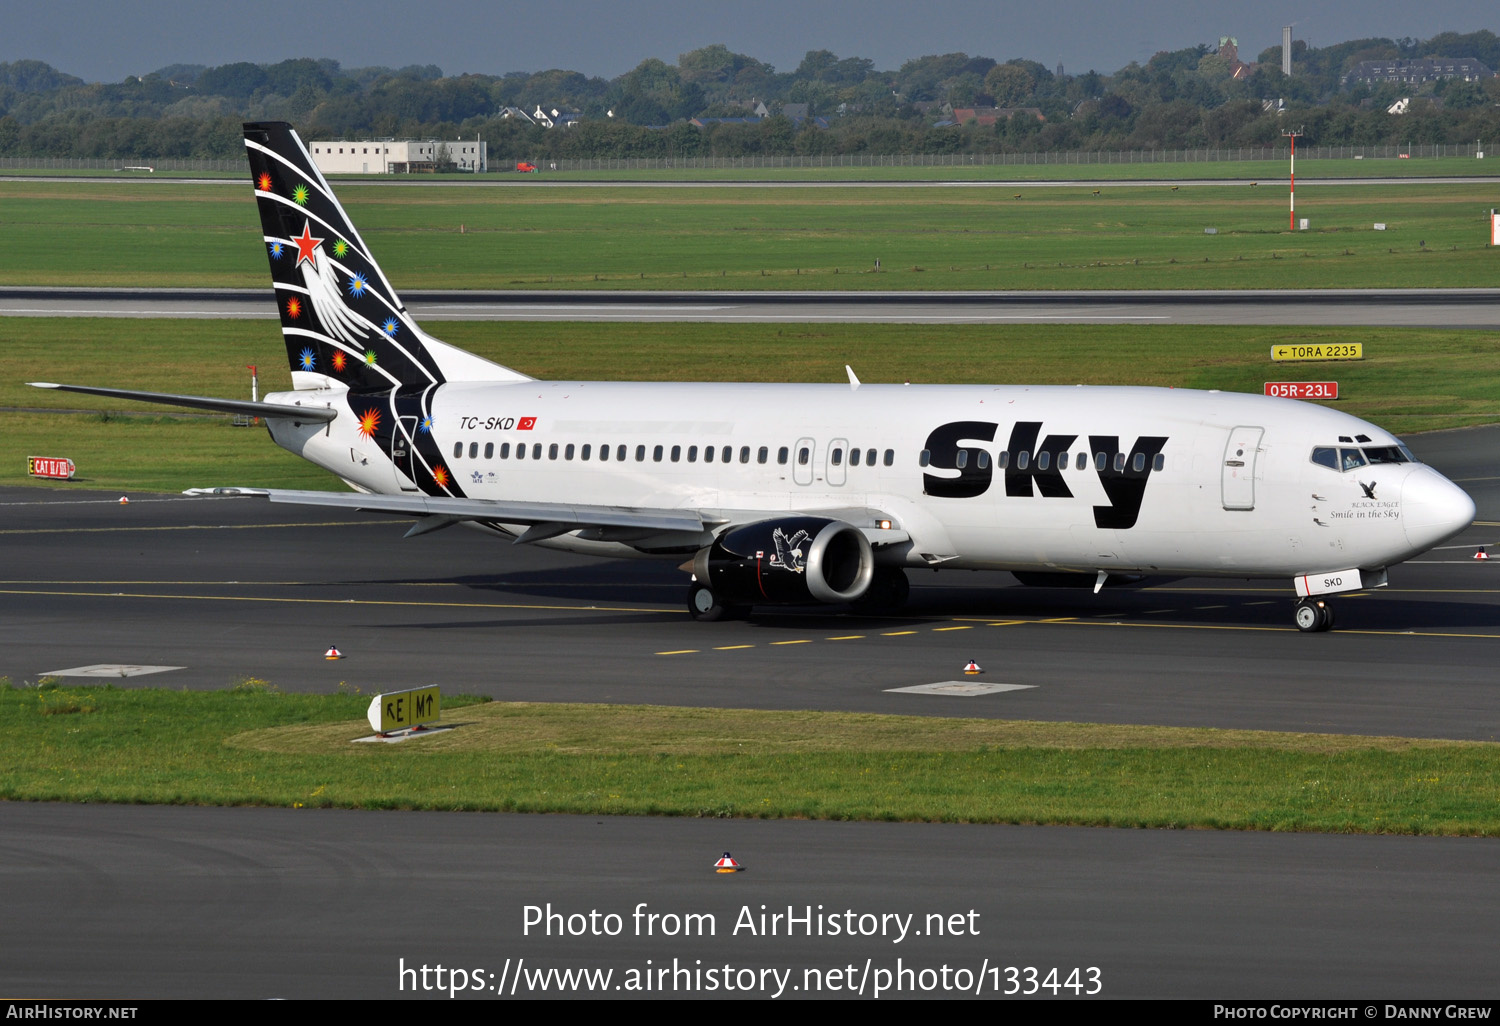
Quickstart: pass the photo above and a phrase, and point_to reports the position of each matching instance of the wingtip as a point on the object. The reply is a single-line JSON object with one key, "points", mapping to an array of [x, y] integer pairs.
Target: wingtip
{"points": [[43, 384]]}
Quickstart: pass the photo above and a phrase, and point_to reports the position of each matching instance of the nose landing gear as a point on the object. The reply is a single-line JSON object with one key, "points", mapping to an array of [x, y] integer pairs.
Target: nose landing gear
{"points": [[1313, 615]]}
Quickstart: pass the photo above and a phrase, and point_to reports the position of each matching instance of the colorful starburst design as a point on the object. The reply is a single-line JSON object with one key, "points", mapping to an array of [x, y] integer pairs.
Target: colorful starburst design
{"points": [[369, 422], [357, 284], [369, 358], [263, 183], [299, 195], [294, 308], [308, 359], [390, 326], [338, 360], [276, 250], [440, 475], [426, 426], [341, 249]]}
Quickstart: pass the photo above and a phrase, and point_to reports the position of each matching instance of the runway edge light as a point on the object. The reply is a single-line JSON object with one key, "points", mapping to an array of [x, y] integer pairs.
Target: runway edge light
{"points": [[727, 864], [973, 667], [333, 653], [1481, 554]]}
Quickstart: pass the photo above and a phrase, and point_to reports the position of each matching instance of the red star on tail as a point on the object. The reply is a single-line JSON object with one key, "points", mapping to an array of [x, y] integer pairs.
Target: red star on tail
{"points": [[307, 246]]}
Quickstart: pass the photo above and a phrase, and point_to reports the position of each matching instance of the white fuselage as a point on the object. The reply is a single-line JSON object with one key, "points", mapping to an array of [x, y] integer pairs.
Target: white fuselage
{"points": [[1013, 477]]}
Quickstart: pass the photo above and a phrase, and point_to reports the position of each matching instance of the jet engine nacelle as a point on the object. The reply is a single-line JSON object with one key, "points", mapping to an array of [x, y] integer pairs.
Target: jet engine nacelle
{"points": [[790, 560]]}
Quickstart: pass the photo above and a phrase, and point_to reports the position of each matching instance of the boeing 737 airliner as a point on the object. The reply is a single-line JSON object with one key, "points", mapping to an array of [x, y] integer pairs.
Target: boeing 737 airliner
{"points": [[794, 494]]}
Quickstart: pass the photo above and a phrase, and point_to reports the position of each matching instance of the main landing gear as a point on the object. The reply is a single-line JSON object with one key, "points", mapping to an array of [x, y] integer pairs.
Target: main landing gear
{"points": [[704, 605], [1313, 615]]}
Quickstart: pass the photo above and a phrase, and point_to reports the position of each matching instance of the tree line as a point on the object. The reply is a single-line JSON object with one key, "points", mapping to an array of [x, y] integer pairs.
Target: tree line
{"points": [[1189, 98]]}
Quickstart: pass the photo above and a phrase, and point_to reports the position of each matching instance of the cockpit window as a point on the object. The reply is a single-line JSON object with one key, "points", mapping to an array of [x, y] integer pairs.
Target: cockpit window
{"points": [[1351, 458], [1326, 456], [1387, 454]]}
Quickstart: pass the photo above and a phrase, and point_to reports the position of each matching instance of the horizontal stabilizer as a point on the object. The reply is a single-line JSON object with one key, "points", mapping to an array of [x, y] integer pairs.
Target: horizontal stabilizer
{"points": [[503, 512], [310, 414]]}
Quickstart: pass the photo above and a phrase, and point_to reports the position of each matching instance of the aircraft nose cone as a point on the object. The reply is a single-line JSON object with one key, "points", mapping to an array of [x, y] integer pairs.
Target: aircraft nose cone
{"points": [[1433, 508]]}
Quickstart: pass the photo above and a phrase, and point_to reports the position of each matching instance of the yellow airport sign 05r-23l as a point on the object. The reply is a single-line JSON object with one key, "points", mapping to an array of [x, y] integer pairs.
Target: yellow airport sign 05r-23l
{"points": [[1319, 351], [398, 710]]}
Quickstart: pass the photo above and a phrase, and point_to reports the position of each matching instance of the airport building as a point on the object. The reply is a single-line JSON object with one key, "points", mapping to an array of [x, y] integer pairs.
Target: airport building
{"points": [[398, 156]]}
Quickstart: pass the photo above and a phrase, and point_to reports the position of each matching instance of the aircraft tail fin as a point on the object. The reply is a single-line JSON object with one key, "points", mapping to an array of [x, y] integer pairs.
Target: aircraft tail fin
{"points": [[342, 321]]}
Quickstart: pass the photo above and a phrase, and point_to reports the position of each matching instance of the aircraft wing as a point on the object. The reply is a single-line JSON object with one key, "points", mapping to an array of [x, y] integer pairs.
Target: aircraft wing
{"points": [[547, 519]]}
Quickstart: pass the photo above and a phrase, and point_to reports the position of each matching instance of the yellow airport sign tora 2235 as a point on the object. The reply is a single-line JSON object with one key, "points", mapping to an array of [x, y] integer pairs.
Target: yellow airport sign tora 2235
{"points": [[399, 710], [1319, 351]]}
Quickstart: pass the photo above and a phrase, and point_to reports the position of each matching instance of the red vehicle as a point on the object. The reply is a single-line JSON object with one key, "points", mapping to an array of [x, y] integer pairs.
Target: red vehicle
{"points": [[525, 166]]}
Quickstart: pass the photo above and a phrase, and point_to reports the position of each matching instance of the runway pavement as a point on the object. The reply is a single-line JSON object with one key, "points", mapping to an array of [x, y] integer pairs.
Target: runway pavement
{"points": [[156, 902], [125, 902], [1442, 308]]}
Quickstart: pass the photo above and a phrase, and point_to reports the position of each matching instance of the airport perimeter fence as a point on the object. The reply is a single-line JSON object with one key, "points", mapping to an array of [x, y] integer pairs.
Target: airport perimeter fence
{"points": [[937, 160]]}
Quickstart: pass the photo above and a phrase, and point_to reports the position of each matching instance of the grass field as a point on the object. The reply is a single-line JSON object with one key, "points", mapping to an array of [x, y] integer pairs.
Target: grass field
{"points": [[250, 745], [1128, 166], [1411, 380], [1064, 237]]}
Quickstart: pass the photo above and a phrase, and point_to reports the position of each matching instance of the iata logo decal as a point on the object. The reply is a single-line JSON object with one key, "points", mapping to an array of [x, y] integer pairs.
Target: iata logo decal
{"points": [[1027, 474], [790, 554]]}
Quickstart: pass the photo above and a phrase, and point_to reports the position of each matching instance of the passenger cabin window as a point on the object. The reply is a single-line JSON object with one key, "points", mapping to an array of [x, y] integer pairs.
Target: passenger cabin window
{"points": [[536, 450], [1119, 461], [745, 454], [583, 453], [1043, 460], [1062, 461], [640, 454], [708, 454], [568, 452], [1023, 460], [890, 457], [853, 457], [692, 454], [473, 450], [620, 453], [458, 449], [782, 454], [1101, 461], [984, 459], [1138, 462], [505, 450], [521, 451], [1002, 460], [762, 454], [925, 458], [656, 454], [837, 457], [676, 454], [726, 454], [963, 459], [1160, 462], [804, 454]]}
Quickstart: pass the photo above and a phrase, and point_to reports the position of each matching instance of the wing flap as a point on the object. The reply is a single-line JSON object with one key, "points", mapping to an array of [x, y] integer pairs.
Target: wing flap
{"points": [[574, 515]]}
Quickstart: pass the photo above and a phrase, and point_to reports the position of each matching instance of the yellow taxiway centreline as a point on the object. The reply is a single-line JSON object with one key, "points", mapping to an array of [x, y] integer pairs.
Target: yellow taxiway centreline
{"points": [[193, 527], [339, 601]]}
